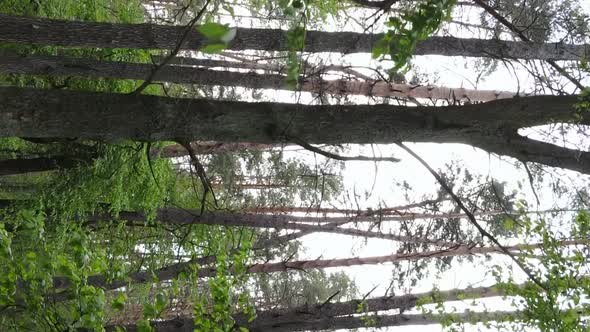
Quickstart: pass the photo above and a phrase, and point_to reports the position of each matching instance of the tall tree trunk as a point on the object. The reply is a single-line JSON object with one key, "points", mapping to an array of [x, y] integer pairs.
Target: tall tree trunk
{"points": [[176, 150], [43, 31], [378, 321], [491, 126], [172, 271], [394, 210], [335, 323], [60, 66], [42, 164], [186, 217], [383, 303], [298, 318]]}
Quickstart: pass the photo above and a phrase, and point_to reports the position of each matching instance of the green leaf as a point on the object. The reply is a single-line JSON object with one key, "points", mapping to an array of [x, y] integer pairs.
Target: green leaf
{"points": [[149, 311], [213, 48], [144, 326], [381, 47], [160, 301], [119, 301], [508, 224], [213, 31]]}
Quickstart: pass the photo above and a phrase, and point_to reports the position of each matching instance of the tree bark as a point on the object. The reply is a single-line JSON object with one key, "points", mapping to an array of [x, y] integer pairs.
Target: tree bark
{"points": [[42, 164], [378, 321], [191, 217], [171, 271], [383, 303], [490, 126], [394, 210], [177, 150], [60, 66], [288, 319], [181, 324], [18, 29]]}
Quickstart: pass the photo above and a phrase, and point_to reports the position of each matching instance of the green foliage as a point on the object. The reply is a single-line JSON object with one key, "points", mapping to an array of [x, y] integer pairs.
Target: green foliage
{"points": [[283, 181], [215, 311], [33, 255], [217, 35], [409, 28], [557, 305], [123, 178], [116, 11], [583, 105]]}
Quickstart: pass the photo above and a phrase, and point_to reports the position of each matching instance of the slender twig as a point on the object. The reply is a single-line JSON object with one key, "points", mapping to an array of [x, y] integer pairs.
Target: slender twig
{"points": [[471, 217], [331, 155], [382, 5], [531, 182], [174, 52], [207, 188], [522, 36]]}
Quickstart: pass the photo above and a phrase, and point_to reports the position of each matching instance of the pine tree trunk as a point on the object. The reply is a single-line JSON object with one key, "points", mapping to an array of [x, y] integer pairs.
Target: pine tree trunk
{"points": [[60, 66], [383, 303], [377, 321], [190, 217], [42, 164], [491, 126], [43, 31], [335, 323], [176, 150], [171, 271], [20, 166], [394, 210], [325, 316]]}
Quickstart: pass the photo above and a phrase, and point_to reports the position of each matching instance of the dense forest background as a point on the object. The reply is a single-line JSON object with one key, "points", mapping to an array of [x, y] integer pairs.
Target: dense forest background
{"points": [[303, 165]]}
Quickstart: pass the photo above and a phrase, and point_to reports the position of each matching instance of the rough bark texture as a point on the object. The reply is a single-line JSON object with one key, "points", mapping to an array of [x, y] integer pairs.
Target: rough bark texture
{"points": [[60, 66], [42, 164], [333, 323], [177, 150], [394, 210], [171, 271], [491, 126], [107, 35], [403, 302], [461, 250], [184, 216], [354, 322]]}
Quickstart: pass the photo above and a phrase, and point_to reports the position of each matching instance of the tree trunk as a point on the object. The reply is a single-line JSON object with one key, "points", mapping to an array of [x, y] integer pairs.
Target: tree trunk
{"points": [[212, 63], [172, 271], [491, 126], [42, 164], [191, 217], [20, 166], [60, 66], [18, 29], [177, 150], [459, 250], [395, 210], [378, 321], [383, 303], [297, 318]]}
